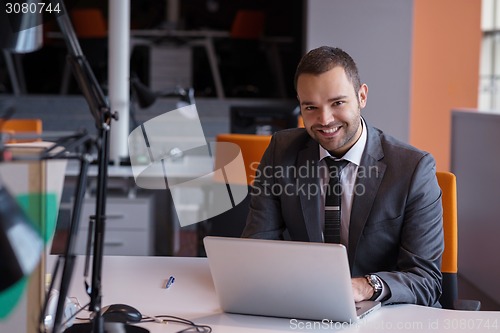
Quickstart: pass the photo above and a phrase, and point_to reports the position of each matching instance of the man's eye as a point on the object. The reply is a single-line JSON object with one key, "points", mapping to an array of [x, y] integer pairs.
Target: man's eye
{"points": [[309, 108], [338, 103]]}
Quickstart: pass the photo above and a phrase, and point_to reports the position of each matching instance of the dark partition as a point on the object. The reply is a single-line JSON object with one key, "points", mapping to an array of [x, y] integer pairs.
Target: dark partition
{"points": [[475, 160]]}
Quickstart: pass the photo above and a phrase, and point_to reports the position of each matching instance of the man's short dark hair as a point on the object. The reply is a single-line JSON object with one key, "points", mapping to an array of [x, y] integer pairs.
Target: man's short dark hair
{"points": [[324, 58]]}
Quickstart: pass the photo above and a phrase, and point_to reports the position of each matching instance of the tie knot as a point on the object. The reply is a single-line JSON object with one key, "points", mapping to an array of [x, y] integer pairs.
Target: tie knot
{"points": [[335, 166]]}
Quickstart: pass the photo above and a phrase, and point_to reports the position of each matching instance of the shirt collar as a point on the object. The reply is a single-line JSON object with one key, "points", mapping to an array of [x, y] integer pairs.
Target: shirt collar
{"points": [[354, 154]]}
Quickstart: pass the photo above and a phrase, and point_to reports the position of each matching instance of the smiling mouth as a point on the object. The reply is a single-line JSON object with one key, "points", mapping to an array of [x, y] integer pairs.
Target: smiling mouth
{"points": [[330, 131]]}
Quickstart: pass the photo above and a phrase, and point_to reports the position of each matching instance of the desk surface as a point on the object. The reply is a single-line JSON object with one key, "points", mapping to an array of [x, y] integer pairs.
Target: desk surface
{"points": [[139, 281]]}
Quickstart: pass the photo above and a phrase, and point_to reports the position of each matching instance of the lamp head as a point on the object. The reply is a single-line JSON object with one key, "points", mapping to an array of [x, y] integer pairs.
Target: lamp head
{"points": [[187, 96], [21, 32], [145, 97]]}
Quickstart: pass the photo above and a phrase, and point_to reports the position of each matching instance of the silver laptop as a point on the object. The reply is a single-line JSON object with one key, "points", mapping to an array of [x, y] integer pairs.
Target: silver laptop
{"points": [[284, 279]]}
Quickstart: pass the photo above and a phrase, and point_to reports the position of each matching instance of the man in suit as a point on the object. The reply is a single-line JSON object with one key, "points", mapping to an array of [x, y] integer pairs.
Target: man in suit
{"points": [[391, 213]]}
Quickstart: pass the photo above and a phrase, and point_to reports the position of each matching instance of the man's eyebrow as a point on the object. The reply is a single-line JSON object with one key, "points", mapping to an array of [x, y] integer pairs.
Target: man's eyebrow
{"points": [[337, 98], [333, 99]]}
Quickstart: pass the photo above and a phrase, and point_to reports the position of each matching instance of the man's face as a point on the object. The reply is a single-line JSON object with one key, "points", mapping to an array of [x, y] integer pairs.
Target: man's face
{"points": [[331, 109]]}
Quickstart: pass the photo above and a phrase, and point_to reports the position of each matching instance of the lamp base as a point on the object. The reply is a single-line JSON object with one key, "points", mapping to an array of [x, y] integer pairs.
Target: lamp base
{"points": [[109, 327]]}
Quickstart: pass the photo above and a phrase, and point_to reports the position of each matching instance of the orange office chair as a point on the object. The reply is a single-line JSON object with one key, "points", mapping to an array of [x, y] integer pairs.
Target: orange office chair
{"points": [[20, 127], [300, 121], [232, 222], [252, 148], [248, 24], [89, 23], [449, 266]]}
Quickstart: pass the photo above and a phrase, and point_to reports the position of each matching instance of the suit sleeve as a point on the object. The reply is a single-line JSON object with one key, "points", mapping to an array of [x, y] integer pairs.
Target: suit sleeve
{"points": [[264, 218], [417, 279]]}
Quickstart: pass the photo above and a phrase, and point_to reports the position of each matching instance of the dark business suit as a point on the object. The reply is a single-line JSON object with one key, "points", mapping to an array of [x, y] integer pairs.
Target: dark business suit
{"points": [[395, 226]]}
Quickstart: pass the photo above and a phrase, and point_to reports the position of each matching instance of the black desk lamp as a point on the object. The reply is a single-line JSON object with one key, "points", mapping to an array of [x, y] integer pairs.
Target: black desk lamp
{"points": [[103, 116], [145, 97]]}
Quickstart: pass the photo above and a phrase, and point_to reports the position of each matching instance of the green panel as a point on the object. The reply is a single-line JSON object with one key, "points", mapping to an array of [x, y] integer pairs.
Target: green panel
{"points": [[11, 296], [42, 209]]}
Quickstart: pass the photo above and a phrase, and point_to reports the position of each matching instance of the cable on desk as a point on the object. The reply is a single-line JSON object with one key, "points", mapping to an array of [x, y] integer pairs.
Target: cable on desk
{"points": [[79, 307], [165, 319]]}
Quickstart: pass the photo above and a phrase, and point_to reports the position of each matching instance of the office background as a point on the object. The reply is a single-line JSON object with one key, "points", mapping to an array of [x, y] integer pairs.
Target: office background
{"points": [[421, 59]]}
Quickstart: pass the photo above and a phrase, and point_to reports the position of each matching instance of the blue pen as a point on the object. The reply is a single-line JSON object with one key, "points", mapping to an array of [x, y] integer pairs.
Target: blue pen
{"points": [[169, 282]]}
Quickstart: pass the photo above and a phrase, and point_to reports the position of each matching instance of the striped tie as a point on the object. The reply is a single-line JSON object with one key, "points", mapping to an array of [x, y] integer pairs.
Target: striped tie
{"points": [[333, 201]]}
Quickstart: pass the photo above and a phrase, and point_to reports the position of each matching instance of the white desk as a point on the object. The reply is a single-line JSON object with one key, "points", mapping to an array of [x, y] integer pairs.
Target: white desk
{"points": [[138, 281]]}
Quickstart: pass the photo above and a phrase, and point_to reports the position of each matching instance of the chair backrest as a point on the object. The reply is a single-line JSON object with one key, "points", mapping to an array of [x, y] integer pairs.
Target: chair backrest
{"points": [[300, 121], [449, 267], [252, 148], [232, 222], [89, 23], [21, 126], [248, 24]]}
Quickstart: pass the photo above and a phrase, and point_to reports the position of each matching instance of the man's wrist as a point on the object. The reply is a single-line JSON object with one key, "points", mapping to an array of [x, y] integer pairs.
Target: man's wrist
{"points": [[377, 285]]}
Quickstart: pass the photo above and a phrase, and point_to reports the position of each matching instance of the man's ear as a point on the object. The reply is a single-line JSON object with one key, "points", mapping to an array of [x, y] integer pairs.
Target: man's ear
{"points": [[362, 95]]}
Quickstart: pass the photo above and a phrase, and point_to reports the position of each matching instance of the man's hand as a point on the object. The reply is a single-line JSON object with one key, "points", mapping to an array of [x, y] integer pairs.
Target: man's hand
{"points": [[361, 289]]}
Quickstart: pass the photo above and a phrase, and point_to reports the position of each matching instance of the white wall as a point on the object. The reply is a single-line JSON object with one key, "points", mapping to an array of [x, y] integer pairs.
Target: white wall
{"points": [[378, 35]]}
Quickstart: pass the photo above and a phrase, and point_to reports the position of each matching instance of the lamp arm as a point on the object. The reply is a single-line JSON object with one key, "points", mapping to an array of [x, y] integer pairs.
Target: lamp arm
{"points": [[69, 256], [84, 75], [100, 110]]}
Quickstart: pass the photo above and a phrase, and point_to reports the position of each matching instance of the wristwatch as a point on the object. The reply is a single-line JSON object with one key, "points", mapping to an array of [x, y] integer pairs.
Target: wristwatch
{"points": [[375, 282]]}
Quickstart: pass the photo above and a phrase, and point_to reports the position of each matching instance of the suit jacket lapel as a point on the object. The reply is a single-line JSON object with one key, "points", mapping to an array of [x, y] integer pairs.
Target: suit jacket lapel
{"points": [[308, 185], [370, 174]]}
